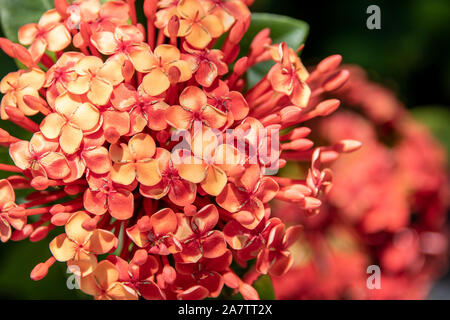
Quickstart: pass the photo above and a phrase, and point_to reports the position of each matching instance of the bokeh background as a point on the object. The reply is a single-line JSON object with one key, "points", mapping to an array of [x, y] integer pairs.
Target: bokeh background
{"points": [[410, 55]]}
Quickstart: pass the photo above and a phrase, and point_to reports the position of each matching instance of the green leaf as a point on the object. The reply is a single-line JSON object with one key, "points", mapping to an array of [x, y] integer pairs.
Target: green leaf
{"points": [[282, 28], [436, 118], [265, 288], [14, 14]]}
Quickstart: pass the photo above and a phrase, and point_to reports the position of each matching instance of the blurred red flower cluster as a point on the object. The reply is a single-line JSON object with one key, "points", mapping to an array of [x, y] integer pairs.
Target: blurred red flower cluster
{"points": [[387, 207]]}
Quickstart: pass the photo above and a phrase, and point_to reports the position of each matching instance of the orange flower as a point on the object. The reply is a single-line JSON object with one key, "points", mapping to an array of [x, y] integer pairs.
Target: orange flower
{"points": [[83, 11], [275, 259], [288, 75], [61, 74], [164, 68], [49, 33], [72, 119], [205, 273], [139, 274], [126, 41], [134, 161], [7, 202], [41, 156], [194, 107], [196, 25], [246, 197], [96, 79], [103, 284], [228, 11], [144, 109], [91, 156], [156, 233], [198, 237], [167, 9], [209, 163], [115, 124], [111, 13], [181, 192], [79, 247], [16, 85], [104, 196], [207, 64], [231, 102]]}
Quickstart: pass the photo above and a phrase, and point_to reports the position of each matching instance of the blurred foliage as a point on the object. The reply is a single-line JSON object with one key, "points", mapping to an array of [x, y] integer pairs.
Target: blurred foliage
{"points": [[15, 14], [409, 54]]}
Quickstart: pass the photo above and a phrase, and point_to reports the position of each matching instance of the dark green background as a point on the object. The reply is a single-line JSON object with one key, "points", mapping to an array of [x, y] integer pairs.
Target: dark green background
{"points": [[410, 54]]}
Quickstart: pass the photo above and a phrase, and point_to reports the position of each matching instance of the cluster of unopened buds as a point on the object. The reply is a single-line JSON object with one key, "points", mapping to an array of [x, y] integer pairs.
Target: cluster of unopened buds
{"points": [[148, 146]]}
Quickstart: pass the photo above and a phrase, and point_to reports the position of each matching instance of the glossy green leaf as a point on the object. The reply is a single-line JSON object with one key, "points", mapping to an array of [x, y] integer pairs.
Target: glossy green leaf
{"points": [[265, 288], [14, 14], [282, 29]]}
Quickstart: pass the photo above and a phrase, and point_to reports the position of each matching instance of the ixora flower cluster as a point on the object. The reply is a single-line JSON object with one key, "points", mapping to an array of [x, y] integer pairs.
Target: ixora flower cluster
{"points": [[387, 207], [108, 99]]}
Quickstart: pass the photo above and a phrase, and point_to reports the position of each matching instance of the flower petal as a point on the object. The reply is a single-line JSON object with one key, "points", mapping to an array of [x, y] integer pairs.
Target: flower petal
{"points": [[142, 146], [74, 229], [55, 165], [100, 91], [199, 37], [206, 219], [193, 98], [164, 221], [119, 291], [231, 198], [213, 117], [155, 82], [138, 237], [5, 230], [28, 33], [123, 173], [192, 169], [147, 172], [97, 160], [100, 242], [58, 38], [95, 202], [70, 139], [105, 42], [86, 117], [215, 181], [121, 204], [62, 248], [52, 125], [179, 118], [214, 245]]}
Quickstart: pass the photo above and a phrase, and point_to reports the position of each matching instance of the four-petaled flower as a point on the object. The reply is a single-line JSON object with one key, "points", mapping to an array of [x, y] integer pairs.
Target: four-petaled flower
{"points": [[134, 161], [79, 247], [164, 67], [198, 237], [103, 284], [48, 34], [196, 25], [247, 196], [156, 233], [71, 121], [194, 107]]}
